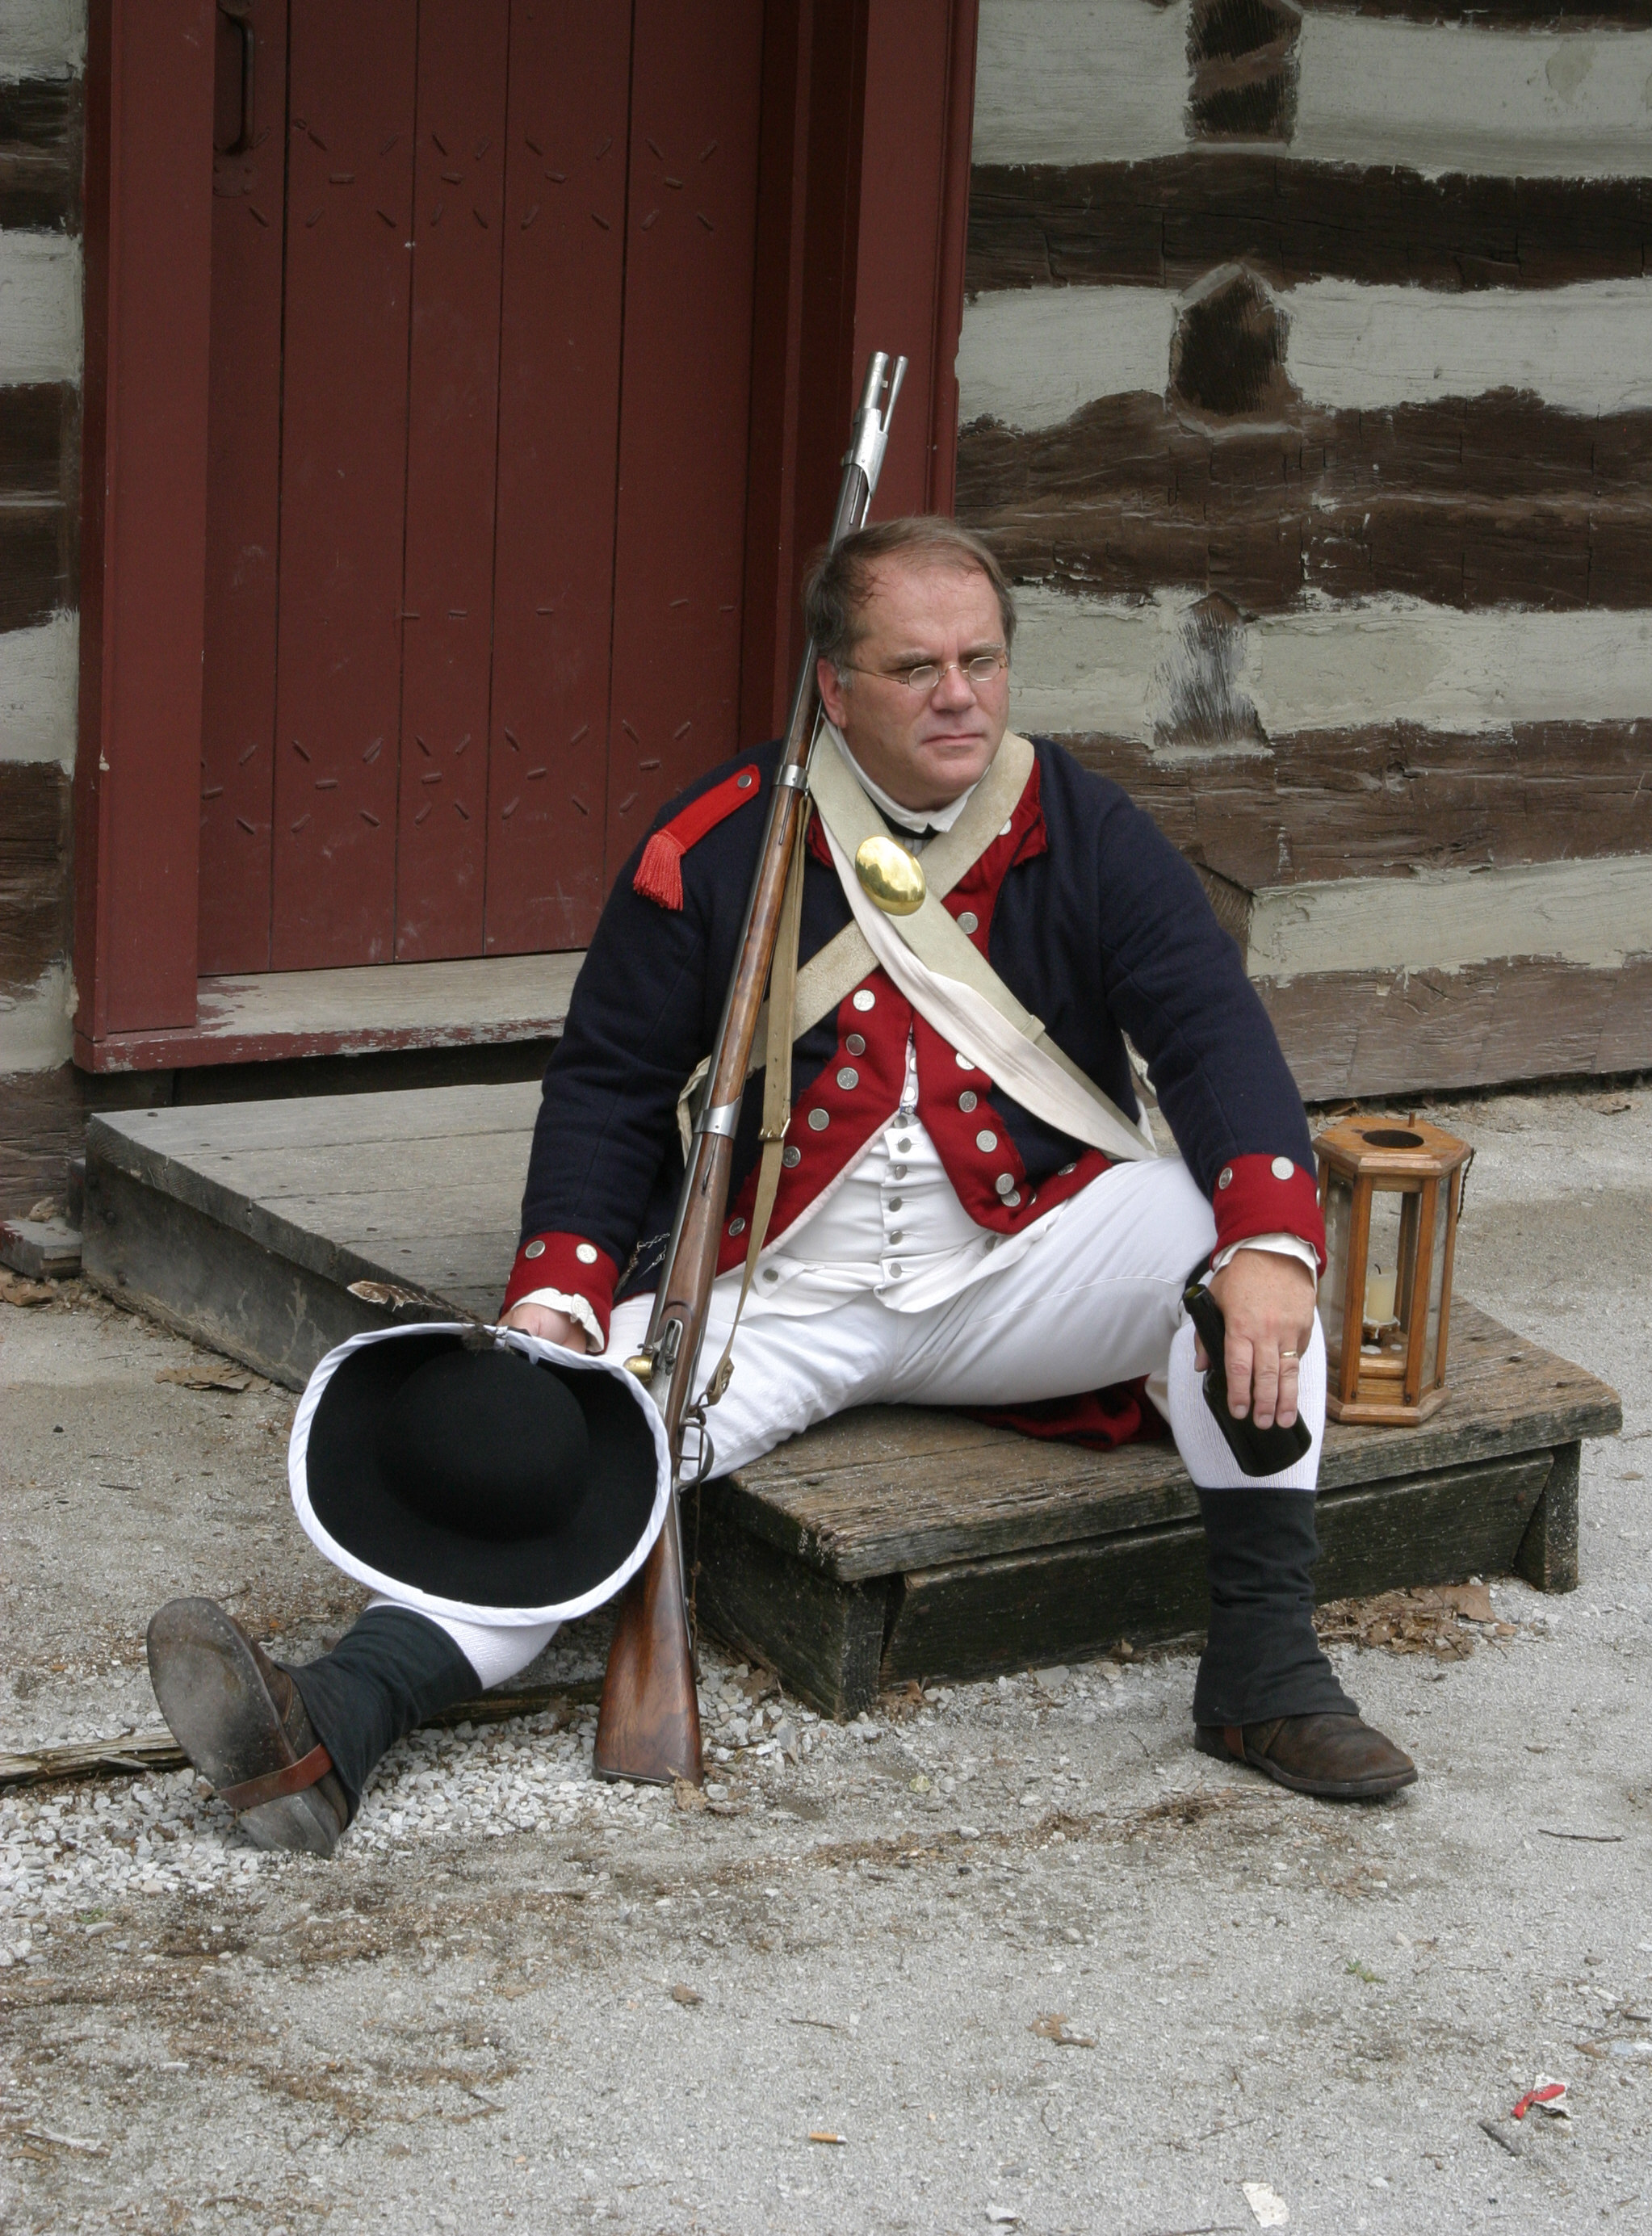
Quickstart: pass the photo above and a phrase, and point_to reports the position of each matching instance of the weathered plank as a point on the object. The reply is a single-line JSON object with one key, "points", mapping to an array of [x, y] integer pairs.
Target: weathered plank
{"points": [[217, 1284], [880, 1491], [1167, 222], [827, 1639], [978, 1617], [1547, 1554]]}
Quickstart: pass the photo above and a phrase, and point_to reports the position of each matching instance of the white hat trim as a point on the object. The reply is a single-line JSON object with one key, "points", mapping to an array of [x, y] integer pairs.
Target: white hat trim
{"points": [[406, 1595]]}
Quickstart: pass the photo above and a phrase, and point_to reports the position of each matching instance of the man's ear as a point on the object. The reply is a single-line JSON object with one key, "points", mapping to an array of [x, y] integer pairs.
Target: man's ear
{"points": [[834, 691]]}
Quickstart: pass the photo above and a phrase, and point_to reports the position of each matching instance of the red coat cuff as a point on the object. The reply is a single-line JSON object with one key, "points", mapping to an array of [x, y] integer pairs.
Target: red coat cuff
{"points": [[567, 1262], [1267, 1195]]}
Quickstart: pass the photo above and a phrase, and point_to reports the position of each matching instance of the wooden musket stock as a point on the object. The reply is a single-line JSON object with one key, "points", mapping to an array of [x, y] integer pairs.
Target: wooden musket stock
{"points": [[648, 1726]]}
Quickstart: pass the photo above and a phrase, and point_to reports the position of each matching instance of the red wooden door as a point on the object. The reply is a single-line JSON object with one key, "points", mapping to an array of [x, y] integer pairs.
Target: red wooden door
{"points": [[478, 437]]}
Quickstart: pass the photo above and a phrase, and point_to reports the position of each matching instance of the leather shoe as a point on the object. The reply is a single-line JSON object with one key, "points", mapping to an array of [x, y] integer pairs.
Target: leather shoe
{"points": [[1335, 1758], [241, 1721]]}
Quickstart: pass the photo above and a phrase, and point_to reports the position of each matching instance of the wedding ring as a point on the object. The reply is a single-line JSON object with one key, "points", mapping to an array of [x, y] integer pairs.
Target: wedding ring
{"points": [[1290, 1354]]}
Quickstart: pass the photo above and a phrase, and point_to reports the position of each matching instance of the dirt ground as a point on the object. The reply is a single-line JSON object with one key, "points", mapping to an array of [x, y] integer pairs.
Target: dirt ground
{"points": [[1009, 1956]]}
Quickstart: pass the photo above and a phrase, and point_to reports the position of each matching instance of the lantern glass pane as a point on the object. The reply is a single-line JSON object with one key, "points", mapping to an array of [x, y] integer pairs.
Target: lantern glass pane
{"points": [[1333, 1285], [1437, 1284], [1385, 1299]]}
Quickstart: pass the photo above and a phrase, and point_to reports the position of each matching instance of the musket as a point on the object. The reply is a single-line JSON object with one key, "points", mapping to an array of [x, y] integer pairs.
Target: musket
{"points": [[648, 1725]]}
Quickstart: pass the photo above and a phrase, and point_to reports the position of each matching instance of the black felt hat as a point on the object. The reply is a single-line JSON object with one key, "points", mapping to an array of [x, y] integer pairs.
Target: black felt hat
{"points": [[479, 1471]]}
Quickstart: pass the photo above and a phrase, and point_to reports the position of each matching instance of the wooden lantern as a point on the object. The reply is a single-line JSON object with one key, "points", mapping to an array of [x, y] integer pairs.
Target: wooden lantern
{"points": [[1391, 1194]]}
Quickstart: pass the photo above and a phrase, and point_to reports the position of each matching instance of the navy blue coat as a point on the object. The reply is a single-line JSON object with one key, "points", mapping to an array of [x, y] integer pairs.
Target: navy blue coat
{"points": [[1088, 914]]}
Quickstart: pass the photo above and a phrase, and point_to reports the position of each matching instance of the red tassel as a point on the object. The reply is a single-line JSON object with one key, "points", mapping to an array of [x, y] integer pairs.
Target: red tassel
{"points": [[659, 874]]}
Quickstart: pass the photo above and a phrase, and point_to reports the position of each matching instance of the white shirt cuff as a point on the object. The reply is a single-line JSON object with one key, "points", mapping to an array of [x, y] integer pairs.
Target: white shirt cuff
{"points": [[559, 1301], [1282, 1245]]}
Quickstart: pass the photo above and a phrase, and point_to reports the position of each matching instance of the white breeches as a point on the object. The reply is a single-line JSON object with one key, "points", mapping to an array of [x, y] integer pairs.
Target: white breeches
{"points": [[1096, 1300]]}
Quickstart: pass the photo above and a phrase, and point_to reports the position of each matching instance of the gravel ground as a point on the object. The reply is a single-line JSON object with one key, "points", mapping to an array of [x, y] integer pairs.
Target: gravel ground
{"points": [[1033, 1961]]}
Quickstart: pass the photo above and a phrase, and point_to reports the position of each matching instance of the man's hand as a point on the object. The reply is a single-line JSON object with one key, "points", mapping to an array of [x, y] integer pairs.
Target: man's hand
{"points": [[1268, 1302], [549, 1325]]}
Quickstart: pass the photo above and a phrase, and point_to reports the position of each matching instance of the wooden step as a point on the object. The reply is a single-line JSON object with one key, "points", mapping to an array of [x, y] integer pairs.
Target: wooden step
{"points": [[890, 1543]]}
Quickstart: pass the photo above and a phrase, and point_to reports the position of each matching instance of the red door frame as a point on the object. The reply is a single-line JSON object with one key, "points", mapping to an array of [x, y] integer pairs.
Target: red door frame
{"points": [[868, 107]]}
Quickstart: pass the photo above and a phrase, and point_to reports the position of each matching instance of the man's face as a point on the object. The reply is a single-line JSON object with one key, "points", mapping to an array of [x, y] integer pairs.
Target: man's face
{"points": [[923, 748]]}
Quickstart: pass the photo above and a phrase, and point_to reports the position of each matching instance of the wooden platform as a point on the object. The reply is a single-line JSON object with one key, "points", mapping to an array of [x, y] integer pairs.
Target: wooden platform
{"points": [[888, 1544]]}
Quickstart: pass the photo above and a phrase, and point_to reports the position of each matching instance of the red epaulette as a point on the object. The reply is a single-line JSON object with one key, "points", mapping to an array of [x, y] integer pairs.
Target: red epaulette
{"points": [[659, 874]]}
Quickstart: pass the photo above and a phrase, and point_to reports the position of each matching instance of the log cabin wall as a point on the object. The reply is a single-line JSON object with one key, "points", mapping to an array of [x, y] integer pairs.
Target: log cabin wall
{"points": [[1306, 391], [42, 47]]}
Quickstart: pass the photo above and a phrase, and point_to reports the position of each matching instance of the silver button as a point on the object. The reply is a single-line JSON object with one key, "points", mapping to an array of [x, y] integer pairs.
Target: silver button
{"points": [[745, 782], [967, 921], [865, 999], [963, 1063], [898, 1171], [903, 1145], [1283, 1168], [894, 1203], [1225, 1177], [848, 1077], [535, 1250], [1005, 1184], [894, 1234], [986, 1141], [1065, 1169], [585, 1254], [856, 1044], [1013, 1198], [819, 1121], [967, 1100], [894, 1273], [791, 1155], [737, 1227], [1004, 833], [769, 1273]]}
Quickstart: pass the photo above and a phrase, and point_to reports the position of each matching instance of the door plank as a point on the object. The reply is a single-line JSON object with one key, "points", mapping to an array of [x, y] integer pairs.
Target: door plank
{"points": [[691, 246], [559, 391], [243, 503], [451, 444], [343, 480]]}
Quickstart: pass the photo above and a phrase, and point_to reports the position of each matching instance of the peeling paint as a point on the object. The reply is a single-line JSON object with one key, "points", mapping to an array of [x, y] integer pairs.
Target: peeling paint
{"points": [[43, 38]]}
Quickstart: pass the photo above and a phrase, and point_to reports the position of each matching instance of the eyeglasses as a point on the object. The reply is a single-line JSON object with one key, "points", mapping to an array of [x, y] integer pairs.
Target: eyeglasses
{"points": [[979, 671]]}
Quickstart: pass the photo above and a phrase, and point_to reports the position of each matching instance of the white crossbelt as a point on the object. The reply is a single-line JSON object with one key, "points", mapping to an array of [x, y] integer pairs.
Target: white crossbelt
{"points": [[951, 984]]}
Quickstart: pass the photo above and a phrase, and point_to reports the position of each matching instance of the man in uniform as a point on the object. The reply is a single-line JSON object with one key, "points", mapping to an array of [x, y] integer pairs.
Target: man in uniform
{"points": [[935, 1239]]}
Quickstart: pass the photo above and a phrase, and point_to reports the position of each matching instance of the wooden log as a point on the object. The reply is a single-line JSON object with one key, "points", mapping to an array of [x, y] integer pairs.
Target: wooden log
{"points": [[978, 1617], [1392, 800], [41, 126], [35, 806], [1167, 222], [824, 1639], [1385, 1032], [1467, 501]]}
